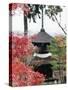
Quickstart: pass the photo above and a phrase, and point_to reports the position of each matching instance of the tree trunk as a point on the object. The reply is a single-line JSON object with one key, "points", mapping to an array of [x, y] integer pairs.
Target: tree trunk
{"points": [[25, 25]]}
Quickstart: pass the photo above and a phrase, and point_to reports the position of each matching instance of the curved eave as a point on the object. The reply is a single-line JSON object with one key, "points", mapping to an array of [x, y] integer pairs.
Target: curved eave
{"points": [[42, 37]]}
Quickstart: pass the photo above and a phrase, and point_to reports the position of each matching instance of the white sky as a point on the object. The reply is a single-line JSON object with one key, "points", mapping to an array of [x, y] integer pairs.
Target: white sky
{"points": [[50, 27]]}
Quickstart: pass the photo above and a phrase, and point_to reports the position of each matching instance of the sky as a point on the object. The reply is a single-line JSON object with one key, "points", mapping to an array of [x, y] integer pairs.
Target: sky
{"points": [[50, 27]]}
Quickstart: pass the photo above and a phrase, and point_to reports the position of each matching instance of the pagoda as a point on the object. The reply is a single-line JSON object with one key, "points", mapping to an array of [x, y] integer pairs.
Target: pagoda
{"points": [[42, 58]]}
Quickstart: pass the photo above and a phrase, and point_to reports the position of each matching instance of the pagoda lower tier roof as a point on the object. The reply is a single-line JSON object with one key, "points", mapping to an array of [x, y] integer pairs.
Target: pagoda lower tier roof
{"points": [[45, 55]]}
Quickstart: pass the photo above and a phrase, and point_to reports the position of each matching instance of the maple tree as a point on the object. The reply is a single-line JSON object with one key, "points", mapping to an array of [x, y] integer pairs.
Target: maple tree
{"points": [[20, 48], [23, 75]]}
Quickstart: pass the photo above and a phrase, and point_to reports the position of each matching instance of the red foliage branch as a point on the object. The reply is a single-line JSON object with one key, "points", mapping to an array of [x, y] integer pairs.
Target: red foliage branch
{"points": [[21, 46], [22, 74], [24, 7], [12, 6]]}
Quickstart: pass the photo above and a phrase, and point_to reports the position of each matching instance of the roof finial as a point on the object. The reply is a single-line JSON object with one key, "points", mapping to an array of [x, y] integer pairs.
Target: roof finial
{"points": [[42, 17], [42, 29]]}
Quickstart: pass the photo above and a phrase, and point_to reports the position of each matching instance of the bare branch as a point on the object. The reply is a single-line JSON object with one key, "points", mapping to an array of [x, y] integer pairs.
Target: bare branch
{"points": [[60, 25]]}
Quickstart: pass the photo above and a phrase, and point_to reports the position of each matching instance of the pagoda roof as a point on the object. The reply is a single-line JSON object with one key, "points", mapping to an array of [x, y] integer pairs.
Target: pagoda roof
{"points": [[42, 37]]}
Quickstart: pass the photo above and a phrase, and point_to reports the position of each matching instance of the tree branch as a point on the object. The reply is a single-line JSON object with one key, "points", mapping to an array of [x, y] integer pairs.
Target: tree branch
{"points": [[60, 25]]}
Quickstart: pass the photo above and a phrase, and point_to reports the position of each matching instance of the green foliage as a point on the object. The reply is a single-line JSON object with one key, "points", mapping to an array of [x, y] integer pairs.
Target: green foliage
{"points": [[53, 47], [58, 46], [55, 65], [58, 53], [50, 11], [53, 10]]}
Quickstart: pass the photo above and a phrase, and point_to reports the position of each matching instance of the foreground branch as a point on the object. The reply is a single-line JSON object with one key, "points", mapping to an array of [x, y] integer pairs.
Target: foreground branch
{"points": [[60, 25]]}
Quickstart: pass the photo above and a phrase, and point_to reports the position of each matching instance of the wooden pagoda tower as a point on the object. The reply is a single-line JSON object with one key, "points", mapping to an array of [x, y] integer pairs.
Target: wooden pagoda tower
{"points": [[42, 58]]}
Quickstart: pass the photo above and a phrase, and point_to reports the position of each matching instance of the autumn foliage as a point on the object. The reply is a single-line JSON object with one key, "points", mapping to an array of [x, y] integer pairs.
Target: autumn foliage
{"points": [[24, 7], [60, 40], [21, 50], [22, 74], [21, 46]]}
